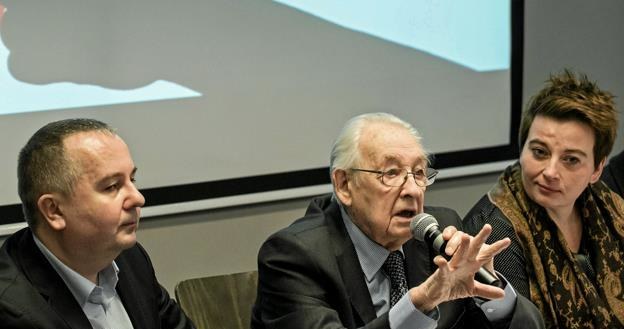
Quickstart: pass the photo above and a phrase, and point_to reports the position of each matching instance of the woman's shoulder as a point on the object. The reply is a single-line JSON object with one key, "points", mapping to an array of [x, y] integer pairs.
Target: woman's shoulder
{"points": [[485, 212]]}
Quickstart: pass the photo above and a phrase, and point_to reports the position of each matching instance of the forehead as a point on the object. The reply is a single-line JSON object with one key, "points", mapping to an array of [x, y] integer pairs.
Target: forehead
{"points": [[384, 143], [93, 149], [571, 134]]}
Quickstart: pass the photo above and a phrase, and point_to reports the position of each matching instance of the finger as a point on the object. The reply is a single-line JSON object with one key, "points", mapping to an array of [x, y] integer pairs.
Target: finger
{"points": [[460, 253], [454, 242], [442, 265], [448, 232], [488, 291], [477, 242], [488, 252], [497, 247]]}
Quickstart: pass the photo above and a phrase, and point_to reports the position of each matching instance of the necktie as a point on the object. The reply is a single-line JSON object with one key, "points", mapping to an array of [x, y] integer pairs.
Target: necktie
{"points": [[394, 267]]}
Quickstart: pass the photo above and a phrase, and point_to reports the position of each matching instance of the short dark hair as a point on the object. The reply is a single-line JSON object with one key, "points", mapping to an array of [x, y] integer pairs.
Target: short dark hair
{"points": [[567, 96], [43, 167]]}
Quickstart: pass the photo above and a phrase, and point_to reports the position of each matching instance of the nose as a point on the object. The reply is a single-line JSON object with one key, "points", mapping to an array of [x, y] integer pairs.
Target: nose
{"points": [[135, 198], [551, 170], [410, 188]]}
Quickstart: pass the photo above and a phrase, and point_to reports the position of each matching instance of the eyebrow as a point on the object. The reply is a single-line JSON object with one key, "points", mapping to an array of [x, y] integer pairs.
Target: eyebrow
{"points": [[575, 151], [116, 175], [393, 158]]}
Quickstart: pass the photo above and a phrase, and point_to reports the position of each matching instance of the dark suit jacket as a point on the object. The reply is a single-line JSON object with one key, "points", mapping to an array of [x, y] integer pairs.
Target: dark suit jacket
{"points": [[309, 277], [33, 295], [613, 174]]}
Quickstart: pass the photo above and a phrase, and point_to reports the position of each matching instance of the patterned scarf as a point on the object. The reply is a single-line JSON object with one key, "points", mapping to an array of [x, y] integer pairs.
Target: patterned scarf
{"points": [[559, 287]]}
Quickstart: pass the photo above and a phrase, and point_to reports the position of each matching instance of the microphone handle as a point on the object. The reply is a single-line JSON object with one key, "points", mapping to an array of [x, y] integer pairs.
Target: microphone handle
{"points": [[485, 276], [482, 275]]}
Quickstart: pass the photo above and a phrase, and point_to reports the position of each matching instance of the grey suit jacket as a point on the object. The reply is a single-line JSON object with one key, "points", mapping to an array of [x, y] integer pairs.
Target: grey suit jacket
{"points": [[309, 277], [33, 295]]}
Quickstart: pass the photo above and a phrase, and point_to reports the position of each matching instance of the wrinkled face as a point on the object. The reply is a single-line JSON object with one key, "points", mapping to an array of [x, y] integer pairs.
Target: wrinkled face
{"points": [[102, 214], [557, 162], [382, 212]]}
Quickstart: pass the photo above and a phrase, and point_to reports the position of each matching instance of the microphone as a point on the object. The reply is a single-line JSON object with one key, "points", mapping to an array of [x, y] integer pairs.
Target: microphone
{"points": [[425, 228]]}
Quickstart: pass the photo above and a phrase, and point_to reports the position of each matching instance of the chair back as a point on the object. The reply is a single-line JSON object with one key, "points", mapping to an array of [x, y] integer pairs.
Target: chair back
{"points": [[219, 302]]}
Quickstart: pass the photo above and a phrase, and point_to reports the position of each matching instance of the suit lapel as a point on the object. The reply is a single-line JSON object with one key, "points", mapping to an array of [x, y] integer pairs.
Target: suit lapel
{"points": [[131, 304], [132, 295], [44, 279], [65, 304], [418, 262], [349, 265], [355, 284]]}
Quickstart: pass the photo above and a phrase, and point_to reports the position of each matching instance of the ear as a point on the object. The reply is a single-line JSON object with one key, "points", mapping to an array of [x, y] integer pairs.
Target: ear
{"points": [[598, 172], [51, 214], [342, 186]]}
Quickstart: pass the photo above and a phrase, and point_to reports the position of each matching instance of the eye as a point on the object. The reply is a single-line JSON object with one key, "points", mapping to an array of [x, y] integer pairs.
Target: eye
{"points": [[112, 187], [571, 160], [392, 173], [419, 173], [539, 153]]}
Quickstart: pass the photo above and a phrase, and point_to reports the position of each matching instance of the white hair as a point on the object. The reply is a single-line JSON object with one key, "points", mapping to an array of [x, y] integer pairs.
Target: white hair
{"points": [[345, 153]]}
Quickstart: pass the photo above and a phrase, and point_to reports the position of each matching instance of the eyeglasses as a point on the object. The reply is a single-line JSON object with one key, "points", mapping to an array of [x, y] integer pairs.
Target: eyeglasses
{"points": [[396, 177]]}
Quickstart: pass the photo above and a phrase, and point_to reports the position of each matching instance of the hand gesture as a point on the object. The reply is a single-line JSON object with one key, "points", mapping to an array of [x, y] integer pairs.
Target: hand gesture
{"points": [[455, 278]]}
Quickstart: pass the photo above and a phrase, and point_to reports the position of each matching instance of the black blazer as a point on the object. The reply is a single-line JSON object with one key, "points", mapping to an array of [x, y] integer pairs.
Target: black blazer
{"points": [[33, 295], [613, 174], [309, 276]]}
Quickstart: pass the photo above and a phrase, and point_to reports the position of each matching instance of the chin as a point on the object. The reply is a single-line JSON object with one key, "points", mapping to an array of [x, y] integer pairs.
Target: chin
{"points": [[546, 203], [127, 242], [538, 197], [401, 236]]}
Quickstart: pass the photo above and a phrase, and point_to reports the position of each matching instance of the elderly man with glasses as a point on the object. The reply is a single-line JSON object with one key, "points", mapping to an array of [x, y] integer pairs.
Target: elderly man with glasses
{"points": [[351, 262]]}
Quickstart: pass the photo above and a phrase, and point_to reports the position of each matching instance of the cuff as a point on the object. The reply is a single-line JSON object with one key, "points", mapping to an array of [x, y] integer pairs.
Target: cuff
{"points": [[404, 315], [500, 309]]}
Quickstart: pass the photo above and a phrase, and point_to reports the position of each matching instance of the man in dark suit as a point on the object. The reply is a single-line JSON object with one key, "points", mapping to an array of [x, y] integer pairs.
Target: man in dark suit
{"points": [[350, 261], [78, 264]]}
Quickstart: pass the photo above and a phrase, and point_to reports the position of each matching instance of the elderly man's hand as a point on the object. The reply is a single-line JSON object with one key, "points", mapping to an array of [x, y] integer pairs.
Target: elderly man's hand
{"points": [[455, 278]]}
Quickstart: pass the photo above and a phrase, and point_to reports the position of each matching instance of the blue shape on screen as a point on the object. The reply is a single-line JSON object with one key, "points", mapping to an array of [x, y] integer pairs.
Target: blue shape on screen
{"points": [[475, 34], [20, 97]]}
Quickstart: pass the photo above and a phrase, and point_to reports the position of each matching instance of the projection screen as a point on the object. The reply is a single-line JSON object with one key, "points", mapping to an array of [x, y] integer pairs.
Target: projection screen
{"points": [[228, 102]]}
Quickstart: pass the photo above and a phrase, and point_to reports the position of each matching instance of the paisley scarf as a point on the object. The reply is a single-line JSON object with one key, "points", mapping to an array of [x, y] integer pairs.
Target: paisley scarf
{"points": [[563, 292]]}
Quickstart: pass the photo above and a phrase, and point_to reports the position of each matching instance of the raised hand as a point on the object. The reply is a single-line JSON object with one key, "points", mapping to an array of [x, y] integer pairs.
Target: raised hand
{"points": [[455, 278]]}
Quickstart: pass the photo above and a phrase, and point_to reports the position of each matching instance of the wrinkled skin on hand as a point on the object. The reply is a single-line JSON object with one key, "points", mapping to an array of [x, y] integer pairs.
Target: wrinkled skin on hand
{"points": [[454, 279]]}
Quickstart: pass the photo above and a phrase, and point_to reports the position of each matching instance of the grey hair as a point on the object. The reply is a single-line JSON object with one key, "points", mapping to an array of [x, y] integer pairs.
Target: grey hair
{"points": [[345, 152]]}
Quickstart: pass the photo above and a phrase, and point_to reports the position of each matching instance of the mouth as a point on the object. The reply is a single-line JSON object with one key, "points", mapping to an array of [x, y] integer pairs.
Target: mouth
{"points": [[130, 223], [546, 189], [406, 214]]}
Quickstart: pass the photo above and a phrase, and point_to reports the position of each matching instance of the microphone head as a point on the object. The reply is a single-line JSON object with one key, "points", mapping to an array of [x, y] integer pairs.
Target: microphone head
{"points": [[422, 223]]}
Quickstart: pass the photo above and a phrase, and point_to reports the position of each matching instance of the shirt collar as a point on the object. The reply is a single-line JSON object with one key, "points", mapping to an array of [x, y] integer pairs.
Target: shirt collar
{"points": [[84, 290], [370, 254]]}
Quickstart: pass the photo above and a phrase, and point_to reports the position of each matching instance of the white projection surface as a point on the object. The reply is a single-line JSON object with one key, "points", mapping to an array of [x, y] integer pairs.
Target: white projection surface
{"points": [[219, 90]]}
